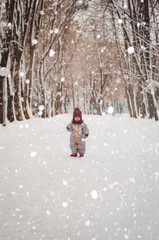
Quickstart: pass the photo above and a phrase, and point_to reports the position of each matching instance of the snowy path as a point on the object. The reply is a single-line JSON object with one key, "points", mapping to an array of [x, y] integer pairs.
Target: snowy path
{"points": [[111, 194]]}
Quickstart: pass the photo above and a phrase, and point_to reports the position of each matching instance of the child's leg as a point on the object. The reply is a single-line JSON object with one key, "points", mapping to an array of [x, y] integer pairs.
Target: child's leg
{"points": [[82, 147], [74, 147]]}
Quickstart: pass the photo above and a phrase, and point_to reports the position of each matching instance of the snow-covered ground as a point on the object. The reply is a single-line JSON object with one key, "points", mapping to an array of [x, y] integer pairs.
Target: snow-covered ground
{"points": [[111, 194]]}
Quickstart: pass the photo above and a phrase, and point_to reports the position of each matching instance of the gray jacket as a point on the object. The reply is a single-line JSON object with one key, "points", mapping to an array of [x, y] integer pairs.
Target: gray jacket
{"points": [[78, 133]]}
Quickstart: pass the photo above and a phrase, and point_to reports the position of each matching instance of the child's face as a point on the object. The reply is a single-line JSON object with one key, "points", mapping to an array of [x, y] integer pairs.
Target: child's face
{"points": [[77, 119]]}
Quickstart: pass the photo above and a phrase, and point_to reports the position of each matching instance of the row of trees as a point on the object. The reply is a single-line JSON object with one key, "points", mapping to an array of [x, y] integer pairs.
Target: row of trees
{"points": [[72, 52], [139, 22], [31, 36], [130, 27]]}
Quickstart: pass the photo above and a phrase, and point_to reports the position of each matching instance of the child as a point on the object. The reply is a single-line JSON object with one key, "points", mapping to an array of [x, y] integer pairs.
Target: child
{"points": [[79, 132]]}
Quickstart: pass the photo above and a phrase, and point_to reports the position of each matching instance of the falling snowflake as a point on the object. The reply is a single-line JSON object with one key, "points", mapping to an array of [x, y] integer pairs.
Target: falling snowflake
{"points": [[126, 236], [80, 1], [48, 212], [131, 50], [142, 47], [87, 223], [65, 204], [34, 41], [21, 126], [33, 154], [56, 30], [26, 125], [42, 12], [94, 194], [22, 74], [51, 53], [27, 81], [110, 110], [41, 107], [120, 21], [132, 180], [64, 182], [9, 24]]}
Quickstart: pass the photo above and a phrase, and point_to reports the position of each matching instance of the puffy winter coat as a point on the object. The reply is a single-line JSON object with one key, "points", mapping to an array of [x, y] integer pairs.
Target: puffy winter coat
{"points": [[78, 134]]}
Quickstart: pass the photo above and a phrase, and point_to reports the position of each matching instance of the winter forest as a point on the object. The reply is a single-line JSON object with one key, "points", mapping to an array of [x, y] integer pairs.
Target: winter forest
{"points": [[79, 111], [58, 54]]}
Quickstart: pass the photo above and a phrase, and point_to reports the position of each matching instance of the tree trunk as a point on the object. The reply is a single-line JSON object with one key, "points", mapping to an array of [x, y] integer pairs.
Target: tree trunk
{"points": [[152, 108], [1, 99], [148, 56], [52, 102], [73, 95], [57, 100], [10, 115], [17, 82], [141, 103], [131, 94], [99, 109], [128, 102], [24, 101]]}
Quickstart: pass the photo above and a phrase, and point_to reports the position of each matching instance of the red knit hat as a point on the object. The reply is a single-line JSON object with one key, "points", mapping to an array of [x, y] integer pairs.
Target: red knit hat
{"points": [[77, 113]]}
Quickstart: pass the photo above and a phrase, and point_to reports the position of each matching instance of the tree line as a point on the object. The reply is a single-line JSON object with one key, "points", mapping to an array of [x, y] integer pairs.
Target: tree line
{"points": [[139, 29], [68, 52]]}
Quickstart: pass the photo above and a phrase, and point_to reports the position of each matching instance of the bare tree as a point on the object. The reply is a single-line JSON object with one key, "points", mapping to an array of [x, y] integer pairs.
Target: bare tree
{"points": [[138, 34]]}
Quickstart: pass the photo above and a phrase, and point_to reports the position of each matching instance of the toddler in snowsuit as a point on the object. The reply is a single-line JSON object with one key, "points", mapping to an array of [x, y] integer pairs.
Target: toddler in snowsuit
{"points": [[79, 132]]}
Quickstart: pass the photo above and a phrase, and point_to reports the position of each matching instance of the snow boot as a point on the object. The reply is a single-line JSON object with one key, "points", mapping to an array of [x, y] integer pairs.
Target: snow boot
{"points": [[73, 155], [81, 155]]}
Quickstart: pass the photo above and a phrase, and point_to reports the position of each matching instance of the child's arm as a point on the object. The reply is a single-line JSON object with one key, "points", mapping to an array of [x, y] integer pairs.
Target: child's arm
{"points": [[69, 127], [85, 131]]}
